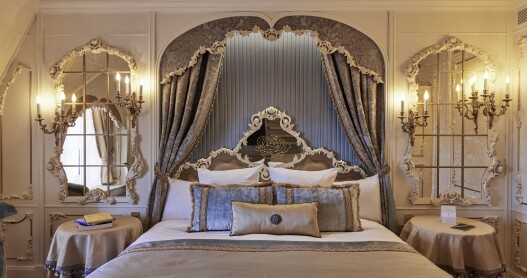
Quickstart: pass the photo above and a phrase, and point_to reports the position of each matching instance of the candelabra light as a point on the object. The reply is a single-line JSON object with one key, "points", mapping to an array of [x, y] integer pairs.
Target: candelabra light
{"points": [[130, 101], [414, 120], [62, 120], [470, 108]]}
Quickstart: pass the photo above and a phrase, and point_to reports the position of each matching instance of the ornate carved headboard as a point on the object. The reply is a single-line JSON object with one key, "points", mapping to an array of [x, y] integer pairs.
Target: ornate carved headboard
{"points": [[271, 137]]}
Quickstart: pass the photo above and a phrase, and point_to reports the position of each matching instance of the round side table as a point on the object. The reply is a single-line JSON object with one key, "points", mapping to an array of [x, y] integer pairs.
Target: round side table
{"points": [[472, 253], [75, 253]]}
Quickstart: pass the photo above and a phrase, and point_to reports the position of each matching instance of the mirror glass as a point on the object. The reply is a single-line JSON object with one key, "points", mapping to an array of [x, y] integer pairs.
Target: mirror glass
{"points": [[450, 154], [271, 143], [98, 150]]}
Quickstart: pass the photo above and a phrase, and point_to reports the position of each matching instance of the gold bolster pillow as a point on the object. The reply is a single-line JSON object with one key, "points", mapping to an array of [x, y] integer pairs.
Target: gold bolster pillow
{"points": [[295, 219]]}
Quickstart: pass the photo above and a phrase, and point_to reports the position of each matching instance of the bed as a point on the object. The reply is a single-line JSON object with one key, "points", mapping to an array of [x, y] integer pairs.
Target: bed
{"points": [[167, 250], [180, 246]]}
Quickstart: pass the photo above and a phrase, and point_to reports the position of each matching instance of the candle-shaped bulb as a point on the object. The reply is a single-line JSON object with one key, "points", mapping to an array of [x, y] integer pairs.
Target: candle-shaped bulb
{"points": [[62, 97], [126, 82], [141, 85], [485, 79], [38, 105], [402, 102], [426, 96], [473, 83], [458, 91], [507, 86], [118, 78], [73, 106]]}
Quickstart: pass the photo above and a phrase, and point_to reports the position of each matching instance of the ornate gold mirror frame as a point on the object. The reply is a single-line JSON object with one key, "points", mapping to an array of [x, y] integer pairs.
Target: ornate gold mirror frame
{"points": [[55, 166], [27, 195], [257, 121], [408, 166], [519, 194]]}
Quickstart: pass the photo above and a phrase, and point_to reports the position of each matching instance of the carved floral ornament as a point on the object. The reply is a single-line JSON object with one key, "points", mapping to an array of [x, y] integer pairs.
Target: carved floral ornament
{"points": [[519, 186], [450, 43], [257, 120], [272, 34], [95, 45]]}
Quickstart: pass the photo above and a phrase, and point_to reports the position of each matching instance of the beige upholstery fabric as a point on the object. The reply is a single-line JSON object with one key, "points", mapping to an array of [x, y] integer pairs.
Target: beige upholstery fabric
{"points": [[73, 252], [475, 252], [297, 219]]}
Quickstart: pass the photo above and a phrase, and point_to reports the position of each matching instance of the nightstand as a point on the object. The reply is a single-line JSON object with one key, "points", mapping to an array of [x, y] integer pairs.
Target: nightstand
{"points": [[74, 253], [471, 253]]}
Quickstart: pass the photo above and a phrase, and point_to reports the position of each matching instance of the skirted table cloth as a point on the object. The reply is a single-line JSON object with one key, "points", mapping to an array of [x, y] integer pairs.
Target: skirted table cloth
{"points": [[472, 253], [75, 254]]}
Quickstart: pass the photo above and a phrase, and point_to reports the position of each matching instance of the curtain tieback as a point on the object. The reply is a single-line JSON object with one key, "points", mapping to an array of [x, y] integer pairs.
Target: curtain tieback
{"points": [[160, 174], [384, 171]]}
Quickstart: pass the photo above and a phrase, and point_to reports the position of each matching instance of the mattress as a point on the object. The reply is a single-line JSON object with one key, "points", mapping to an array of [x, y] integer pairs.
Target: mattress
{"points": [[167, 250]]}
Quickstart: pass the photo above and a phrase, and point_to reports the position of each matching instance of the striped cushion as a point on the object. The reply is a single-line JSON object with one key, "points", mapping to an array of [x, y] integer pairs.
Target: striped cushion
{"points": [[338, 206], [212, 204]]}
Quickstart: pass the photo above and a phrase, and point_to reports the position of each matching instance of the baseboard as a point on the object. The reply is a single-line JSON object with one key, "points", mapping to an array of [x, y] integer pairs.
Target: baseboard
{"points": [[26, 271]]}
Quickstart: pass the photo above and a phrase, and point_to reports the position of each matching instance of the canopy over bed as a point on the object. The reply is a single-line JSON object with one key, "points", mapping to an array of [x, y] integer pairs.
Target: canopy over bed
{"points": [[191, 67]]}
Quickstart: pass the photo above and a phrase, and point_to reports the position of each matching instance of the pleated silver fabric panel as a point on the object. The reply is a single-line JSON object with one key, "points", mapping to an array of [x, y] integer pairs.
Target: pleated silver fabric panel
{"points": [[286, 74]]}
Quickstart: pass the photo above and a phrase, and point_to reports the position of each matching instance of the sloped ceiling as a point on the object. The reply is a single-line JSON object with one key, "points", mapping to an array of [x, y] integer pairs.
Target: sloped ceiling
{"points": [[15, 19]]}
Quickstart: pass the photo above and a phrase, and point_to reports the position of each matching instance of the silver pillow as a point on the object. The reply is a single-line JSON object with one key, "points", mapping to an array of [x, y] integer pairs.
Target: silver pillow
{"points": [[338, 206], [211, 204], [297, 219]]}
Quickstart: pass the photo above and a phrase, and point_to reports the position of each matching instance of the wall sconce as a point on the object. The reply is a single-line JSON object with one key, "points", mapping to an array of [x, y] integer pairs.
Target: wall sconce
{"points": [[61, 121], [488, 103], [130, 100], [64, 119], [414, 120]]}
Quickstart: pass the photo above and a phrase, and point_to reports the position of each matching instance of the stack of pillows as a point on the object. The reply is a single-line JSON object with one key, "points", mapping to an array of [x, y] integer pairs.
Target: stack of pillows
{"points": [[294, 202]]}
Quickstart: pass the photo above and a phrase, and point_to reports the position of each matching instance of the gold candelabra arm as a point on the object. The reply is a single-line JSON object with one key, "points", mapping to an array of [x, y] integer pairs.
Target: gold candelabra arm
{"points": [[61, 123], [131, 103], [409, 124]]}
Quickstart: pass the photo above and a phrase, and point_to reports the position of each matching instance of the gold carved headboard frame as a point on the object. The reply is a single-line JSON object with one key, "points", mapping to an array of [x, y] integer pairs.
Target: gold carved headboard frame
{"points": [[307, 159]]}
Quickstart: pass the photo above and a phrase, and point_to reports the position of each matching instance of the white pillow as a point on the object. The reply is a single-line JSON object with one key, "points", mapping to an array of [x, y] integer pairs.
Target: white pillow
{"points": [[236, 176], [179, 202], [322, 177], [369, 198]]}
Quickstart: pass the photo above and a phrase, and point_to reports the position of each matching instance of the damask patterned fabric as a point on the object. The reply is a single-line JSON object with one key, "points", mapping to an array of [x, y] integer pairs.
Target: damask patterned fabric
{"points": [[212, 204], [187, 102], [363, 49], [359, 102], [338, 206]]}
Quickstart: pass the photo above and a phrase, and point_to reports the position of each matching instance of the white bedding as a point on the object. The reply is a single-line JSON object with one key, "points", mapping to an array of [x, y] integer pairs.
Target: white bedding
{"points": [[176, 229]]}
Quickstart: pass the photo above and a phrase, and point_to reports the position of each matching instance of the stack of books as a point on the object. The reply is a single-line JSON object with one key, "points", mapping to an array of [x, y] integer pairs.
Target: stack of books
{"points": [[95, 221]]}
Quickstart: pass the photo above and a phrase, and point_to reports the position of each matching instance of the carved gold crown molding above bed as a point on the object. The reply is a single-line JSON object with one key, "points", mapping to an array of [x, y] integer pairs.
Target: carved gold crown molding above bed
{"points": [[286, 125], [331, 36]]}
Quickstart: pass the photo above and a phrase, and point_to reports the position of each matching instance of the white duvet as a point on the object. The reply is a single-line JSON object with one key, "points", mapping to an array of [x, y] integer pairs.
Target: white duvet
{"points": [[176, 229]]}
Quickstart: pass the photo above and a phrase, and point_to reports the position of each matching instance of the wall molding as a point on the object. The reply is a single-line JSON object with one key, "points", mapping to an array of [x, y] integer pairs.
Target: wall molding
{"points": [[517, 230], [27, 195], [274, 5], [519, 186], [29, 245]]}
